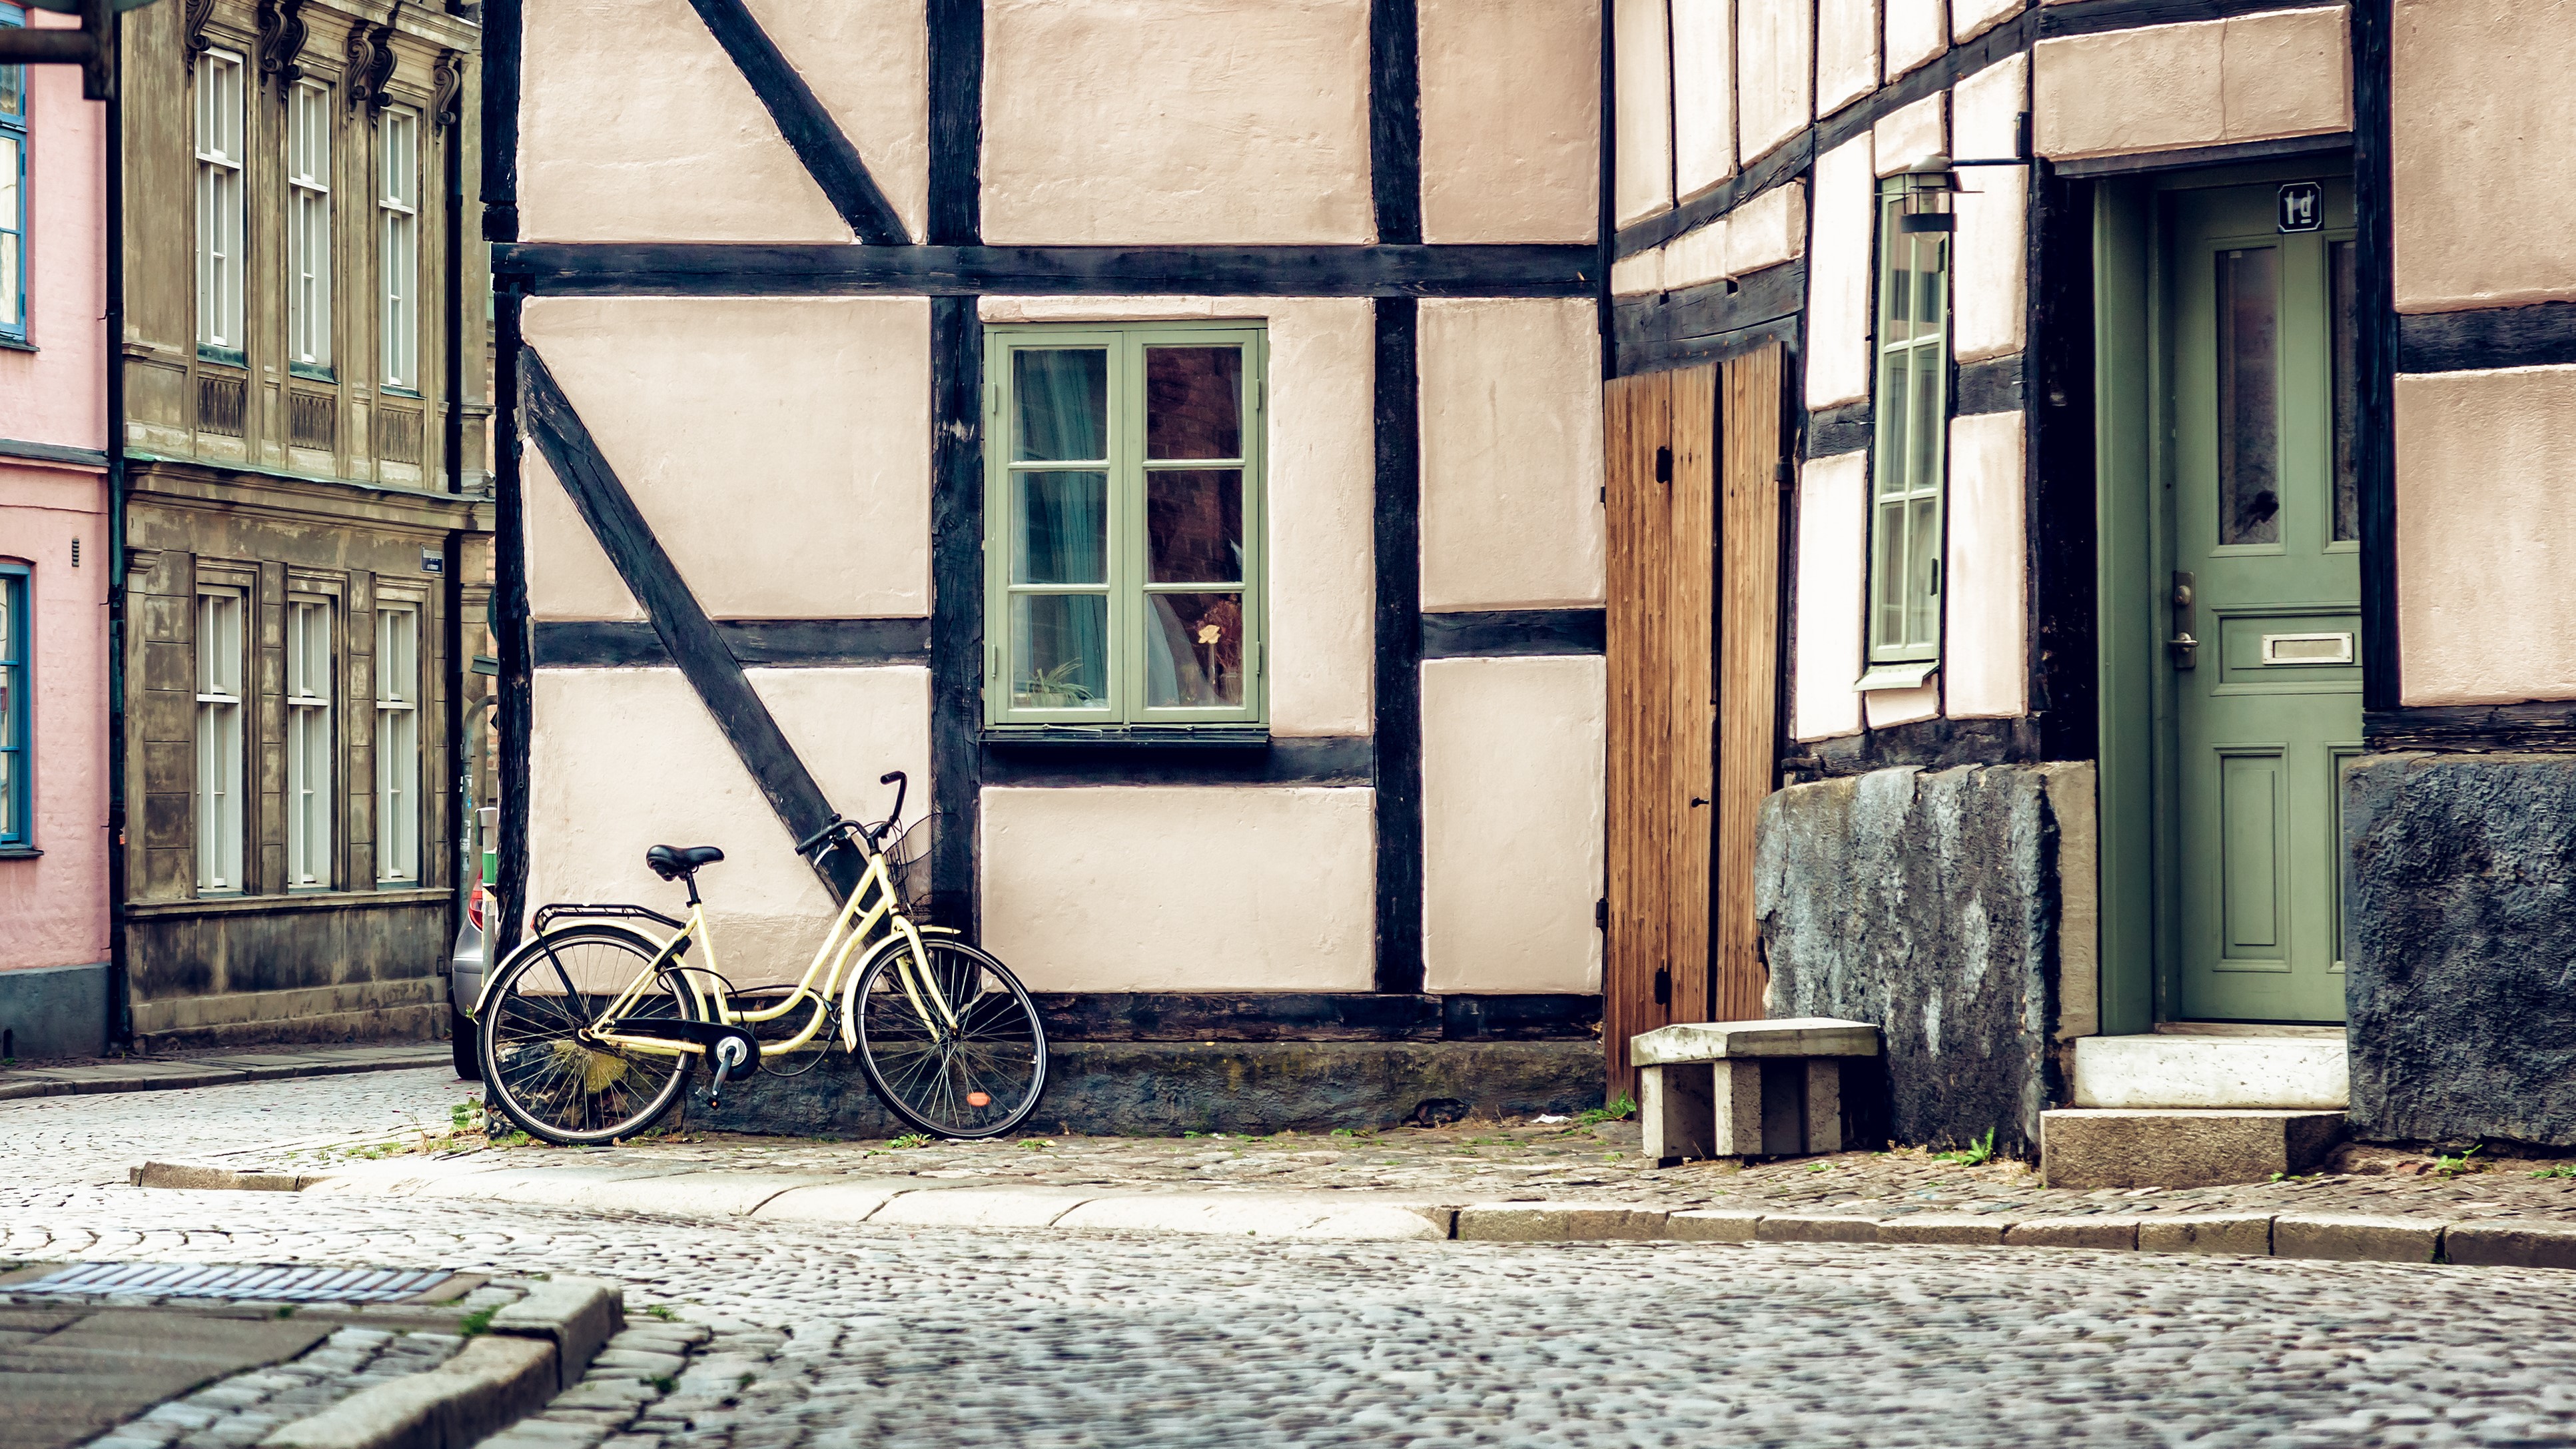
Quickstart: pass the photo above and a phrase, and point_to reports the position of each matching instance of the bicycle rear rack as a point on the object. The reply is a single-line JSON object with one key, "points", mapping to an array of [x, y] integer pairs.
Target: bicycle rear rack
{"points": [[579, 911]]}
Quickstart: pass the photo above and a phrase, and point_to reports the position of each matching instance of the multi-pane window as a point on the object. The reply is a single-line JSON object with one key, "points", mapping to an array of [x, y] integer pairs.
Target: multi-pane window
{"points": [[13, 190], [308, 743], [397, 742], [1123, 553], [398, 259], [1912, 406], [17, 711], [308, 225], [219, 740], [219, 201]]}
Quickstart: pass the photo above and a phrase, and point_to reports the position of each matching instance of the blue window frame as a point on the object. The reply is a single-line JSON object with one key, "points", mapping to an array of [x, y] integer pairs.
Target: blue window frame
{"points": [[13, 192], [17, 711]]}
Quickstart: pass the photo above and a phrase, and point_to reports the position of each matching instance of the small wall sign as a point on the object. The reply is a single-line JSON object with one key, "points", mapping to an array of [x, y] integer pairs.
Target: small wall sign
{"points": [[2303, 206], [432, 562]]}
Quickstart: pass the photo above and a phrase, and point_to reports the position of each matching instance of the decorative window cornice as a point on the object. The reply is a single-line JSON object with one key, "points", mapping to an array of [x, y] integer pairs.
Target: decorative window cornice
{"points": [[282, 32], [371, 65], [447, 90]]}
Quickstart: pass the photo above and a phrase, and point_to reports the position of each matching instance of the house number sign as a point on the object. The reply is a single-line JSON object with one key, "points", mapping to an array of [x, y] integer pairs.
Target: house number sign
{"points": [[2303, 206]]}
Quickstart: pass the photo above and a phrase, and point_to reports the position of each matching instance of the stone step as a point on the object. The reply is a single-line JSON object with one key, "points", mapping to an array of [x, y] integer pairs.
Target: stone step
{"points": [[2273, 1072], [2180, 1147]]}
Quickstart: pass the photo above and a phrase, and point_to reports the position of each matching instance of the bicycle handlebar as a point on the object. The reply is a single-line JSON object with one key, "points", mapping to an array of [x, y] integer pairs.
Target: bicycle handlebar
{"points": [[836, 825]]}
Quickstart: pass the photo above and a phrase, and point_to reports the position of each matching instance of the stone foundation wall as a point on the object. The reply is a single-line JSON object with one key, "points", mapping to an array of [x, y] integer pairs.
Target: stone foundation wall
{"points": [[2461, 976], [1928, 903]]}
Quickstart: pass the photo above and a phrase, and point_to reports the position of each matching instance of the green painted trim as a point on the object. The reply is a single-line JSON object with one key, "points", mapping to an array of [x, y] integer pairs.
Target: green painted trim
{"points": [[1126, 586], [2128, 616]]}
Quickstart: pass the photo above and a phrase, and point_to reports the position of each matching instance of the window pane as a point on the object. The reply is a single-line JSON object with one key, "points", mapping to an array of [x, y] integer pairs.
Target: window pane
{"points": [[1931, 261], [1062, 395], [1060, 531], [1887, 628], [2347, 394], [1193, 402], [1923, 432], [1194, 526], [1895, 411], [2249, 307], [1060, 649], [1923, 550], [1193, 649], [13, 90]]}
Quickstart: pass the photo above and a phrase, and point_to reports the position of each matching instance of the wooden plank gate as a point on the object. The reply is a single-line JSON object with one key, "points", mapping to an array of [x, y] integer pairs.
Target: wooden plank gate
{"points": [[1694, 489]]}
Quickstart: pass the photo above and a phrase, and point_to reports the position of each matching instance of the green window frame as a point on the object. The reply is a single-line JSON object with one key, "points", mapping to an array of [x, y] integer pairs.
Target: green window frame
{"points": [[13, 193], [17, 711], [1113, 455], [1910, 455]]}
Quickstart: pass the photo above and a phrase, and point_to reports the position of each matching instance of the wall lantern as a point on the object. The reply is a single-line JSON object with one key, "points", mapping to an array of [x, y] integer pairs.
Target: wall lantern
{"points": [[1924, 205]]}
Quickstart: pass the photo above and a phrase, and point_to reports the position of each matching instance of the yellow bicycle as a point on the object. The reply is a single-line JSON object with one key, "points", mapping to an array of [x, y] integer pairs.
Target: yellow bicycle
{"points": [[590, 1031]]}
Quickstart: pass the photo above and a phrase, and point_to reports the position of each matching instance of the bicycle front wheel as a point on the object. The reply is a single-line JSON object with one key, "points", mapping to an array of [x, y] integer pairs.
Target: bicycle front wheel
{"points": [[542, 1055], [950, 1040]]}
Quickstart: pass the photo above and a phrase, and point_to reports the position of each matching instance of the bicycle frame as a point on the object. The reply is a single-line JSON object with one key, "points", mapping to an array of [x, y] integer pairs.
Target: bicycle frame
{"points": [[850, 930]]}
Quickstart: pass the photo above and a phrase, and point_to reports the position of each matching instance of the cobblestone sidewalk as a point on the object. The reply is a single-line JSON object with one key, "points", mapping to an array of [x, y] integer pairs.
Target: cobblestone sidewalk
{"points": [[1561, 1161], [81, 1077]]}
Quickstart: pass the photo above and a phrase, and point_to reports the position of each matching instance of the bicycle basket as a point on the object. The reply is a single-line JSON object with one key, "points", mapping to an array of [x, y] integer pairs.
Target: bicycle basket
{"points": [[908, 860]]}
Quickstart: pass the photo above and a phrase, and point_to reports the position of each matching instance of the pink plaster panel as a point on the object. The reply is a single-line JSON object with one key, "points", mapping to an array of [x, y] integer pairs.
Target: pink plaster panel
{"points": [[55, 906], [58, 393]]}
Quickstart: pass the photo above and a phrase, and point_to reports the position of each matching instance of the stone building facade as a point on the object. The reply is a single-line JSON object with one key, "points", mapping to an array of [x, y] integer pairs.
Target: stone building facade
{"points": [[303, 444]]}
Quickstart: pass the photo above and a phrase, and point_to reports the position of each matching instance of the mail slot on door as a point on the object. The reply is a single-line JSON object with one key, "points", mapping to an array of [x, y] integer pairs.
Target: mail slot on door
{"points": [[2307, 648]]}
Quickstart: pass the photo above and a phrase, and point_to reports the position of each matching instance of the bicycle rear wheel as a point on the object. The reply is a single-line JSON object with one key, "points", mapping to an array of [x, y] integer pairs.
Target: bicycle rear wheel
{"points": [[975, 1070], [549, 1073]]}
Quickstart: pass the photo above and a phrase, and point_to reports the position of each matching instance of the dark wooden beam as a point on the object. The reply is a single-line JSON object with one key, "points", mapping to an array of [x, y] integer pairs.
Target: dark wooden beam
{"points": [[688, 636], [2192, 158], [1707, 323], [2540, 726], [788, 643], [2539, 335], [736, 269], [1504, 633], [2376, 347], [1398, 544], [809, 128], [1846, 429], [501, 41], [1395, 121], [956, 602], [1325, 760], [956, 121], [1991, 386]]}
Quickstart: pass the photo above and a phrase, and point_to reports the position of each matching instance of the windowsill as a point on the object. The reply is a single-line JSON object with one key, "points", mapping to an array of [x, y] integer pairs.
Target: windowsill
{"points": [[1173, 736], [232, 903], [1897, 676], [227, 356], [19, 852], [392, 389], [18, 344], [311, 373]]}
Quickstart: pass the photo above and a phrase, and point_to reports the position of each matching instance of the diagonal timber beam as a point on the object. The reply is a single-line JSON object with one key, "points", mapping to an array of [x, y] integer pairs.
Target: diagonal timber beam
{"points": [[828, 155], [688, 636]]}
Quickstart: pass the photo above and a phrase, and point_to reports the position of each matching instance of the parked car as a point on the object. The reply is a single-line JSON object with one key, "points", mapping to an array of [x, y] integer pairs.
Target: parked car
{"points": [[466, 963]]}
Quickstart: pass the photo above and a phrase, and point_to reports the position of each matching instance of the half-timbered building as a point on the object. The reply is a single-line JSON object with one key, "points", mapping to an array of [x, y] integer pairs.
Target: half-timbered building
{"points": [[1411, 540]]}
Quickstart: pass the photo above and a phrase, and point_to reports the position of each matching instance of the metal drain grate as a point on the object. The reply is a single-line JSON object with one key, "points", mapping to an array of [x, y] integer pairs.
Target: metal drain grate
{"points": [[266, 1283]]}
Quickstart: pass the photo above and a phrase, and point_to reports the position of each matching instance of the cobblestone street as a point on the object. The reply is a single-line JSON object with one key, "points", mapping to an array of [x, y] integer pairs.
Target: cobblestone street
{"points": [[831, 1337]]}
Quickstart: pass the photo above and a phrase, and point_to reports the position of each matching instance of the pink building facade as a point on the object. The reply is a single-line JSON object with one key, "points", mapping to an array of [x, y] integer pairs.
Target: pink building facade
{"points": [[55, 563]]}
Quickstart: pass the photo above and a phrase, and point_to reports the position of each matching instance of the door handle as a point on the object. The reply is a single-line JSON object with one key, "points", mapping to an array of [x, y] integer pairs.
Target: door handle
{"points": [[2182, 646]]}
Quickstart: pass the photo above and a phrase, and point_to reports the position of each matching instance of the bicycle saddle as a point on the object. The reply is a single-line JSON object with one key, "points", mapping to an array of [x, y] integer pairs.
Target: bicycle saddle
{"points": [[670, 862]]}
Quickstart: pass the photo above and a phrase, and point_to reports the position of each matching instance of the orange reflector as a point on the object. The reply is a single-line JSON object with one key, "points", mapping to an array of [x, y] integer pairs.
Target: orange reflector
{"points": [[978, 1099]]}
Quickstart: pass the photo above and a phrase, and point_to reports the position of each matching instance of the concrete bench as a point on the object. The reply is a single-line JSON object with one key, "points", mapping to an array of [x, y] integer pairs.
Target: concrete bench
{"points": [[1746, 1088]]}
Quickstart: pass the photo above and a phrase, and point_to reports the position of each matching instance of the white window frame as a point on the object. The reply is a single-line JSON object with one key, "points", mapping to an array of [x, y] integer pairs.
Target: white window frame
{"points": [[310, 118], [220, 745], [398, 688], [309, 773], [1909, 459], [222, 200], [398, 247]]}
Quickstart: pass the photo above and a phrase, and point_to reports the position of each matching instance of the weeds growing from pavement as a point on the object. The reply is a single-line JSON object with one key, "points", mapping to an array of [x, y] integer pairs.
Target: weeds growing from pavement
{"points": [[1977, 1153]]}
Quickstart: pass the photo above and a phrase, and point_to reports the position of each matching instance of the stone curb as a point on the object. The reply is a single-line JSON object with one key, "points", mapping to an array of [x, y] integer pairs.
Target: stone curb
{"points": [[533, 1350], [1345, 1215], [173, 1076]]}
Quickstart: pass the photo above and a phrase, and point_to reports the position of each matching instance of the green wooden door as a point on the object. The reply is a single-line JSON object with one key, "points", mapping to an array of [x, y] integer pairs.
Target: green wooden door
{"points": [[2267, 582]]}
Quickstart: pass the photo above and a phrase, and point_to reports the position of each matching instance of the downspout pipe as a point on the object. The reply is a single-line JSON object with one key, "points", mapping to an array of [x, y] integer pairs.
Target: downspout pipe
{"points": [[120, 1009]]}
